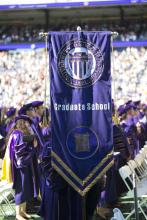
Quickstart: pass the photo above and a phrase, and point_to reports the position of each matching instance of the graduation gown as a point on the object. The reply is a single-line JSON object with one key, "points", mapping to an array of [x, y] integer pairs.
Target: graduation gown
{"points": [[54, 204], [114, 183], [59, 200], [24, 168]]}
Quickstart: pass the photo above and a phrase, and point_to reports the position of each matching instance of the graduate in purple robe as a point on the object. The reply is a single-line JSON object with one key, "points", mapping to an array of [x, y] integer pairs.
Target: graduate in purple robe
{"points": [[114, 184], [21, 143], [30, 110], [59, 200], [130, 130], [54, 203], [34, 111]]}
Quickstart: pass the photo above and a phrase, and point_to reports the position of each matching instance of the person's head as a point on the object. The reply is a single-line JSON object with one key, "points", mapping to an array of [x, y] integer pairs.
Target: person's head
{"points": [[11, 112], [22, 122], [23, 126], [10, 115], [38, 108], [122, 113], [130, 109], [27, 109]]}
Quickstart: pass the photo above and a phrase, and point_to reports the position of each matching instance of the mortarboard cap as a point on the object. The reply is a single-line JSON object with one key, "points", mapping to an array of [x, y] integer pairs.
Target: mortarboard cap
{"points": [[128, 102], [24, 117], [11, 111], [37, 103], [136, 103], [24, 109], [130, 106], [121, 110]]}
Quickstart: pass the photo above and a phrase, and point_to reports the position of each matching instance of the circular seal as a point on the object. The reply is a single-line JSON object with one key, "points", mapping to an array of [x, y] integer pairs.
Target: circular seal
{"points": [[82, 142], [80, 63]]}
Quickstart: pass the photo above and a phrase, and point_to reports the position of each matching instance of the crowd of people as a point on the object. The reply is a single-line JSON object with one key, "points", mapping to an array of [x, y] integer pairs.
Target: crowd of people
{"points": [[26, 135], [129, 73], [23, 74], [29, 33]]}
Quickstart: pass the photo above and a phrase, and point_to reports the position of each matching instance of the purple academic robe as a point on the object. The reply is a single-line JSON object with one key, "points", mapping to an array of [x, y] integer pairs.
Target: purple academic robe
{"points": [[24, 168], [54, 204]]}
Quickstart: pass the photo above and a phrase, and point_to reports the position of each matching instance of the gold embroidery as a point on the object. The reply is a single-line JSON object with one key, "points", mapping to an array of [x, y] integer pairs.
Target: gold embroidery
{"points": [[97, 178], [82, 193], [82, 142], [66, 167], [81, 182]]}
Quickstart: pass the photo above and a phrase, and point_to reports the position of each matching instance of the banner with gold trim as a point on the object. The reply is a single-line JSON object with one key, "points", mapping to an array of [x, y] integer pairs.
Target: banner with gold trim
{"points": [[81, 121]]}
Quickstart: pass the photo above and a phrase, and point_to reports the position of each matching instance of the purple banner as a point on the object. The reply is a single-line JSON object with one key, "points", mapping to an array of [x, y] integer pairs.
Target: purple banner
{"points": [[81, 106]]}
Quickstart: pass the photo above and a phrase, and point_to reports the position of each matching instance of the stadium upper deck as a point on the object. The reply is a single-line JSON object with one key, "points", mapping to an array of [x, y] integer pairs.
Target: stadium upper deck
{"points": [[71, 11], [20, 23], [24, 25]]}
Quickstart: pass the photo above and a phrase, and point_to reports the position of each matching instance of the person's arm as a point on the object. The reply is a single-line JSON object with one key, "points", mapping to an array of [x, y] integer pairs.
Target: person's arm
{"points": [[23, 151]]}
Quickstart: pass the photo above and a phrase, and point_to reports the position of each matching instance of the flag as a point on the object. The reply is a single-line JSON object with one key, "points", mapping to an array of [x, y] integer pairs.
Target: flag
{"points": [[80, 92]]}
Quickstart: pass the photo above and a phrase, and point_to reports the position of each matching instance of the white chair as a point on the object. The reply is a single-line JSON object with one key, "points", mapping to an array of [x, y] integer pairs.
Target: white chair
{"points": [[141, 164], [127, 176], [117, 214], [134, 168], [7, 206]]}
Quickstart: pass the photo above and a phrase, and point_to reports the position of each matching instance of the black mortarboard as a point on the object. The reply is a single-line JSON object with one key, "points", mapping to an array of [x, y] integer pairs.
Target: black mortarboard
{"points": [[24, 117], [11, 111], [128, 102], [137, 102], [121, 110], [37, 103], [130, 106], [24, 109]]}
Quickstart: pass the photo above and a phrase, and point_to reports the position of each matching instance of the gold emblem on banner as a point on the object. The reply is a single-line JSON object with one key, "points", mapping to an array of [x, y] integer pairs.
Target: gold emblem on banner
{"points": [[82, 142]]}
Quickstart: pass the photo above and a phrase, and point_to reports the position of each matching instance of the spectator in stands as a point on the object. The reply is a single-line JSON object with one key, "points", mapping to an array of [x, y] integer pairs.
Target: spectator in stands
{"points": [[23, 73], [29, 33]]}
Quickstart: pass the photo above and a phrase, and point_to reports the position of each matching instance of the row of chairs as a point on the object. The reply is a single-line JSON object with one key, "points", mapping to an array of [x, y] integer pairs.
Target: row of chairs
{"points": [[7, 206], [136, 168]]}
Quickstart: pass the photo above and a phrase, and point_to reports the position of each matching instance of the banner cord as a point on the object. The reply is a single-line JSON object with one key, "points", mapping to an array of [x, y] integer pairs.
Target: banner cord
{"points": [[113, 78], [46, 72]]}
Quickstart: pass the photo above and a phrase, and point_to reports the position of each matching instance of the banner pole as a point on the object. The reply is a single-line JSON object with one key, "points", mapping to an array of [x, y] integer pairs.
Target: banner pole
{"points": [[83, 197], [114, 34], [84, 207], [135, 197], [46, 61], [45, 36]]}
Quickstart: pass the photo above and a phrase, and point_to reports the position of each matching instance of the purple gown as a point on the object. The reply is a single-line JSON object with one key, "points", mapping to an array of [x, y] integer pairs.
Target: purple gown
{"points": [[24, 168], [54, 204]]}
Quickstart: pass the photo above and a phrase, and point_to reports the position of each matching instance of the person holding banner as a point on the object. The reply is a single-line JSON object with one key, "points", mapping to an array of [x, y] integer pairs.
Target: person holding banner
{"points": [[21, 145], [55, 203], [59, 200]]}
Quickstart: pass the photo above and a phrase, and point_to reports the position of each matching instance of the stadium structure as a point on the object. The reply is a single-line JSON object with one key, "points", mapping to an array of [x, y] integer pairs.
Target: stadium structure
{"points": [[22, 23]]}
